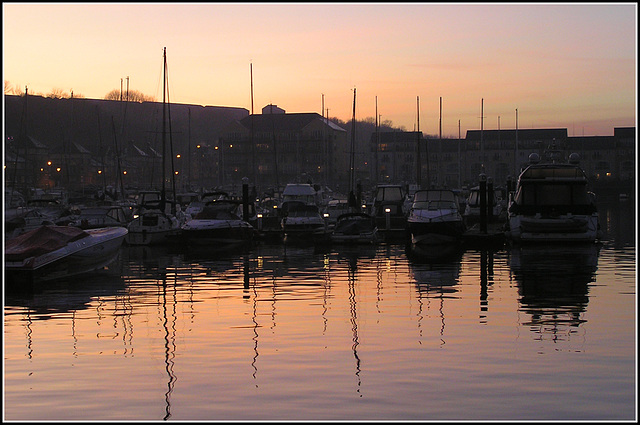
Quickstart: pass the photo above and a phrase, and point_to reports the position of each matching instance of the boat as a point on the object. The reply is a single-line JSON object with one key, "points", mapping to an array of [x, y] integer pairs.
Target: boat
{"points": [[153, 224], [53, 252], [218, 224], [434, 218], [304, 222], [101, 216], [334, 209], [355, 228], [552, 203], [152, 227], [388, 207], [297, 193], [471, 214]]}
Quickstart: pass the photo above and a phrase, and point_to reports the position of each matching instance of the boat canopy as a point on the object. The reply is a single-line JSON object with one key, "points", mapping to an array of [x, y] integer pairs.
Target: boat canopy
{"points": [[41, 241]]}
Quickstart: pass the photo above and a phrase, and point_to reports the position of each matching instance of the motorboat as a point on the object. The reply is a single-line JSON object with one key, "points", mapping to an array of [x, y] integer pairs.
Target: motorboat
{"points": [[302, 192], [552, 202], [304, 221], [219, 223], [101, 216], [434, 218], [356, 228], [53, 252], [471, 214], [388, 207], [152, 227], [334, 209]]}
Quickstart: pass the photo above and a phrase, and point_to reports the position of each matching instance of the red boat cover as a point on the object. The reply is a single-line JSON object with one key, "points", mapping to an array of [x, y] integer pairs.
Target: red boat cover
{"points": [[40, 241]]}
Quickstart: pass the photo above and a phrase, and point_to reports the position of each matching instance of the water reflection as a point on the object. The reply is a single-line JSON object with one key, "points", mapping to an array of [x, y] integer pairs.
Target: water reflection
{"points": [[436, 276], [553, 285], [169, 319], [64, 296]]}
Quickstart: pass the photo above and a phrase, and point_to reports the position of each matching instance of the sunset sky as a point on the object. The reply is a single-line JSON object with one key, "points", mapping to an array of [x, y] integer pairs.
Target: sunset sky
{"points": [[568, 65]]}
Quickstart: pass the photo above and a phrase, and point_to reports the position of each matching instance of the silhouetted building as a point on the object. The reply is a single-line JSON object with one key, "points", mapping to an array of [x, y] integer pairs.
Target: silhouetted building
{"points": [[279, 148]]}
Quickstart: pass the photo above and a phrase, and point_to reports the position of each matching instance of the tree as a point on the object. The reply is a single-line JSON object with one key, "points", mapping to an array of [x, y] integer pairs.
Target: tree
{"points": [[134, 96]]}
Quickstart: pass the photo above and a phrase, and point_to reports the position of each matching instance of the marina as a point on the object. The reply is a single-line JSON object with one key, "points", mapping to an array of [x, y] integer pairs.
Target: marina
{"points": [[288, 251], [334, 332]]}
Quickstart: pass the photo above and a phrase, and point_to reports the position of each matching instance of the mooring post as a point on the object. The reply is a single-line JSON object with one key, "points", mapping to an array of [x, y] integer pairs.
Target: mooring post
{"points": [[245, 198]]}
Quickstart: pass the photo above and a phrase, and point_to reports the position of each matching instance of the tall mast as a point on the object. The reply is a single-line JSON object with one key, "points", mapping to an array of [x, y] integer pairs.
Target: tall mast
{"points": [[481, 135], [352, 153], [171, 154], [253, 146], [440, 177], [377, 143], [418, 160], [517, 171], [164, 126]]}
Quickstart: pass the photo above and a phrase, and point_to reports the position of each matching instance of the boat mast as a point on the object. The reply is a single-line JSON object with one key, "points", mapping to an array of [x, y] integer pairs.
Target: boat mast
{"points": [[253, 146], [352, 153], [377, 143], [164, 129], [418, 161], [172, 156]]}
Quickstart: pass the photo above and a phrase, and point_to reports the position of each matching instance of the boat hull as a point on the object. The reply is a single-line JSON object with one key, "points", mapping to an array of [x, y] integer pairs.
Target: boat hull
{"points": [[570, 228], [435, 233], [94, 252], [213, 233], [355, 228]]}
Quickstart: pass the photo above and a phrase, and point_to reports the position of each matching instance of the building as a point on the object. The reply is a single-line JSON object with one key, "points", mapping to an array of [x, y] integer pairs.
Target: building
{"points": [[275, 148], [609, 161]]}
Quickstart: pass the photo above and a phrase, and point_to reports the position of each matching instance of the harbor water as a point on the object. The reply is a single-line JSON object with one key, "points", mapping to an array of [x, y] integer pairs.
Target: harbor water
{"points": [[298, 332]]}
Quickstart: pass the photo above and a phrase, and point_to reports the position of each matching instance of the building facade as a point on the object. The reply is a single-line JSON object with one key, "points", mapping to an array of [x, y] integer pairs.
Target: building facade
{"points": [[275, 148], [499, 154]]}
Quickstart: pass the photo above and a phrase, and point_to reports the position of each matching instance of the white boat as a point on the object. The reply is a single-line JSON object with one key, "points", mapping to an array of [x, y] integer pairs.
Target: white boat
{"points": [[53, 252], [355, 228], [552, 203], [218, 224], [434, 218], [304, 222], [152, 227], [298, 193]]}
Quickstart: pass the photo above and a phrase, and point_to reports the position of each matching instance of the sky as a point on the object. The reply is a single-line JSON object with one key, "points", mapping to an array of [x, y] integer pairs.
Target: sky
{"points": [[559, 65]]}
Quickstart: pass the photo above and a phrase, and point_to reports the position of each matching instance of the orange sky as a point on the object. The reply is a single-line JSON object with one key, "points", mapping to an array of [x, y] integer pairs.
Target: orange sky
{"points": [[568, 66]]}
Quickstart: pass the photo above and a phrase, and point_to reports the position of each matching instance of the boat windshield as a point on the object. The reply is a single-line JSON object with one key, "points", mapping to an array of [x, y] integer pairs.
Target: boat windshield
{"points": [[552, 194], [389, 194], [434, 205]]}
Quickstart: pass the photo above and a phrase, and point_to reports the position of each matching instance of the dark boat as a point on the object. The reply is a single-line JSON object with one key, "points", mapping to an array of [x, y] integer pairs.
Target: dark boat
{"points": [[53, 252]]}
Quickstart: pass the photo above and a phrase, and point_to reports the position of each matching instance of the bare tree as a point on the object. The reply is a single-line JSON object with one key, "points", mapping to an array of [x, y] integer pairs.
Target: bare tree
{"points": [[57, 94], [134, 96]]}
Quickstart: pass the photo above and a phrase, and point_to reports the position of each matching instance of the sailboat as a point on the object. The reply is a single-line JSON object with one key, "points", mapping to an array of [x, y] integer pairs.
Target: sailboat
{"points": [[354, 226], [156, 223]]}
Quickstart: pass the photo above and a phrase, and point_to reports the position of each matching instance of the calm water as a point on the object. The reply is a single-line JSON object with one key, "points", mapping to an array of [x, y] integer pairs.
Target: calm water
{"points": [[295, 333]]}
